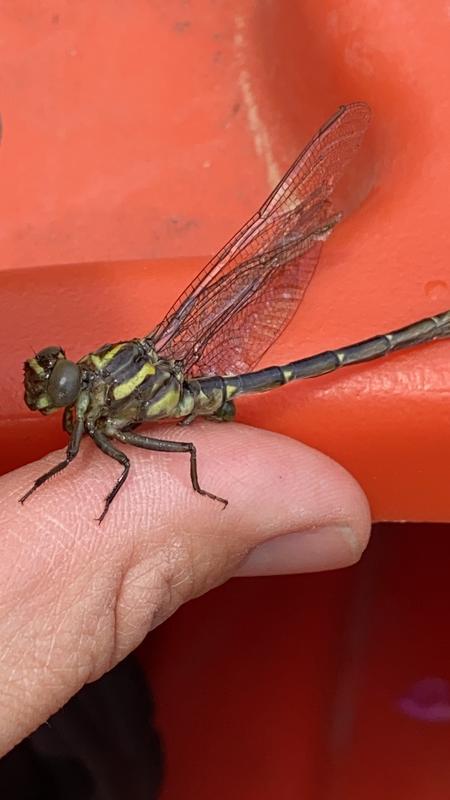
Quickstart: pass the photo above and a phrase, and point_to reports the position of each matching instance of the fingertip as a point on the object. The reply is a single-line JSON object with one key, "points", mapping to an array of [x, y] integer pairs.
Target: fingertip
{"points": [[274, 486], [269, 485]]}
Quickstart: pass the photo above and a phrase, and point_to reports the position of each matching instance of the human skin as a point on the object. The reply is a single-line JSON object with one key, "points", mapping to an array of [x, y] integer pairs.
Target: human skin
{"points": [[76, 597]]}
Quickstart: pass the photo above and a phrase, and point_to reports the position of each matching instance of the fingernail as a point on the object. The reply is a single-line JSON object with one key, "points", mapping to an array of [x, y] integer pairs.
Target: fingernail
{"points": [[330, 547]]}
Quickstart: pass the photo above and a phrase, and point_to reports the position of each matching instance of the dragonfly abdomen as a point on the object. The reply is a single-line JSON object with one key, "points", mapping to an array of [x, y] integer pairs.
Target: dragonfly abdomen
{"points": [[426, 330]]}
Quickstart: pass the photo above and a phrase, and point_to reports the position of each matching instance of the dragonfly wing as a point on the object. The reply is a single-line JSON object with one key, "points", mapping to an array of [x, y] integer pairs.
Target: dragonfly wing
{"points": [[239, 342], [321, 164], [296, 217], [241, 306]]}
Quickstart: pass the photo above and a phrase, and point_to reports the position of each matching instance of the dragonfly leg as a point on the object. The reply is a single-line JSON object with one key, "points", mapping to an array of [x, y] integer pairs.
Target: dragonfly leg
{"points": [[107, 447], [166, 446], [67, 421], [72, 450]]}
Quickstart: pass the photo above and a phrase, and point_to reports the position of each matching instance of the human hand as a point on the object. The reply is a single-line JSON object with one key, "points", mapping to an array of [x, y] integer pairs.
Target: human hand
{"points": [[76, 597]]}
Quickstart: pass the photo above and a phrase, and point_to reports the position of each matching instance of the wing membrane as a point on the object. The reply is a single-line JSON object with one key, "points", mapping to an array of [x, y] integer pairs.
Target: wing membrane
{"points": [[239, 303]]}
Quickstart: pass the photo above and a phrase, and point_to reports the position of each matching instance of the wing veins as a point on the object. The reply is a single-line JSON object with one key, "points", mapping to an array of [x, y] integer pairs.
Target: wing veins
{"points": [[296, 215]]}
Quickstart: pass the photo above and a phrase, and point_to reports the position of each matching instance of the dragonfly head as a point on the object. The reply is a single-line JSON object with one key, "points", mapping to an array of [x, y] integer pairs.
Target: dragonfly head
{"points": [[51, 380]]}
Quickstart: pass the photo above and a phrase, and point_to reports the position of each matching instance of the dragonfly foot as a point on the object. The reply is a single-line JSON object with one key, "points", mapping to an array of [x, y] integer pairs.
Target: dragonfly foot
{"points": [[213, 496]]}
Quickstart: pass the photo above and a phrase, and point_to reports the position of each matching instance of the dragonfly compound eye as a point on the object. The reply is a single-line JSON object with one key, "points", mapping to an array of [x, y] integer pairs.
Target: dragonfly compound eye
{"points": [[64, 383]]}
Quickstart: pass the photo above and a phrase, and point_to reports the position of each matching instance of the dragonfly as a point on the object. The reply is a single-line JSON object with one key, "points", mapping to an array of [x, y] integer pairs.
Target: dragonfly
{"points": [[202, 356]]}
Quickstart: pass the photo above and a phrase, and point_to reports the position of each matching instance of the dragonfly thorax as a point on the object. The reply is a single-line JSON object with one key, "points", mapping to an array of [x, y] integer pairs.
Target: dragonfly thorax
{"points": [[128, 384]]}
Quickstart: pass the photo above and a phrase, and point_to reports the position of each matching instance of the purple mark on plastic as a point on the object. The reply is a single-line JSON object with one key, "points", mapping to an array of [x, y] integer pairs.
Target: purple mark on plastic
{"points": [[427, 700]]}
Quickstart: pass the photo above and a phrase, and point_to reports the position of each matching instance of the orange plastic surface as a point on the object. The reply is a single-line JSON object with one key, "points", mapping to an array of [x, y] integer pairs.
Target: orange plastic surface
{"points": [[154, 129]]}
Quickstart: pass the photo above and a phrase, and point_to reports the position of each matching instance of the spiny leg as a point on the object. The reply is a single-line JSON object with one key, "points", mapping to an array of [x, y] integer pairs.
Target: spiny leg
{"points": [[107, 447], [167, 446], [67, 421], [72, 450]]}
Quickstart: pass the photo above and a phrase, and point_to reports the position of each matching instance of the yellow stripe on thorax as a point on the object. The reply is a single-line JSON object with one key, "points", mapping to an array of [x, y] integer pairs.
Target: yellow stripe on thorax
{"points": [[102, 361], [126, 388]]}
